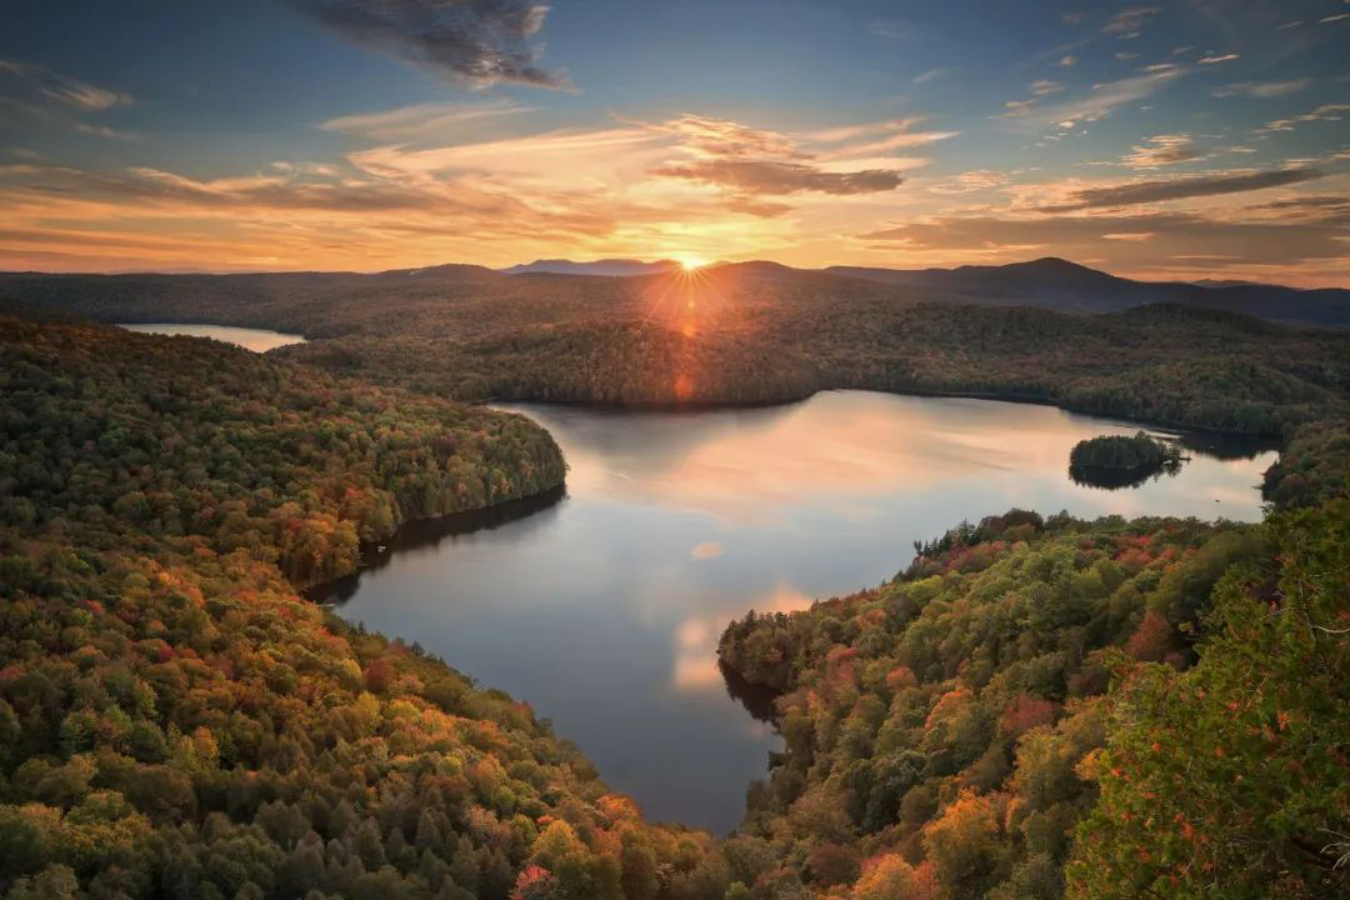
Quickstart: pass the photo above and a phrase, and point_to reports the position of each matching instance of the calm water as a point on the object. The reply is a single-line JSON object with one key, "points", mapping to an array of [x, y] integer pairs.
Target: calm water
{"points": [[259, 340], [603, 609]]}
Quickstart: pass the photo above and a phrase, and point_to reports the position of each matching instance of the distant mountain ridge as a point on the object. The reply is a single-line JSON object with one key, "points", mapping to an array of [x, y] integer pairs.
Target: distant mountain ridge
{"points": [[1049, 283], [609, 268], [1053, 283]]}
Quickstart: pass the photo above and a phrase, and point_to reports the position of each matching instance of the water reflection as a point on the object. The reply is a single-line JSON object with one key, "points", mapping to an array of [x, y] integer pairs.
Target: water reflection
{"points": [[603, 611], [757, 699], [259, 340], [1118, 479], [426, 536]]}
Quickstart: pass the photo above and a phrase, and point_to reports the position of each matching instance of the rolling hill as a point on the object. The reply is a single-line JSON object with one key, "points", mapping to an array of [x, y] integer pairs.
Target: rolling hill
{"points": [[1054, 283]]}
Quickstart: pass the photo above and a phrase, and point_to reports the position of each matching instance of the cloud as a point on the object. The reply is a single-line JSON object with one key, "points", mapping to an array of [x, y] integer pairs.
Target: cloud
{"points": [[280, 191], [1327, 112], [1163, 150], [891, 29], [70, 92], [1263, 90], [750, 164], [1101, 101], [861, 130], [1138, 192], [1212, 60], [1128, 22], [1315, 207], [707, 136], [933, 74], [776, 178], [969, 182], [104, 131], [706, 550], [481, 42], [405, 203], [1044, 87], [896, 141], [421, 120]]}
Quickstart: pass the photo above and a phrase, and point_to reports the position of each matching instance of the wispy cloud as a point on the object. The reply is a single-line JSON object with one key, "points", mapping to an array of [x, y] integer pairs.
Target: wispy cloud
{"points": [[777, 178], [1327, 112], [933, 74], [104, 131], [421, 120], [68, 91], [481, 42], [969, 182], [891, 29], [1163, 150], [883, 138], [1263, 90], [1103, 99], [1129, 22], [1135, 193], [708, 136]]}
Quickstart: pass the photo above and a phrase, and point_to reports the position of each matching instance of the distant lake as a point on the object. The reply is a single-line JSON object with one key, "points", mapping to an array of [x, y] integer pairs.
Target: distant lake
{"points": [[259, 340], [603, 609]]}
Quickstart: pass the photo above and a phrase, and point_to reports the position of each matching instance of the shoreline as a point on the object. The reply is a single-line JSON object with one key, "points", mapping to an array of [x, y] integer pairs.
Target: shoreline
{"points": [[429, 531], [1260, 440]]}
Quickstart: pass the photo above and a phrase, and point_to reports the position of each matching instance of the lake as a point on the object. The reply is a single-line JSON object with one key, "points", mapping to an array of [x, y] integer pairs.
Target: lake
{"points": [[602, 609], [259, 340]]}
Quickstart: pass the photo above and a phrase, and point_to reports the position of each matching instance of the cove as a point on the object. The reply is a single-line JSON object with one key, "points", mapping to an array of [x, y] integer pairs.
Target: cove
{"points": [[259, 340], [601, 606]]}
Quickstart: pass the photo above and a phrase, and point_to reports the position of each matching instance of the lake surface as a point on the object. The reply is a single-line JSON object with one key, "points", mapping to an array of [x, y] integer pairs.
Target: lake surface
{"points": [[259, 340], [602, 609]]}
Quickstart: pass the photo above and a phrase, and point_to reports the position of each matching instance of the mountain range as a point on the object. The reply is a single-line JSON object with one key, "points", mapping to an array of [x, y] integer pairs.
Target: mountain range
{"points": [[1048, 283], [261, 297]]}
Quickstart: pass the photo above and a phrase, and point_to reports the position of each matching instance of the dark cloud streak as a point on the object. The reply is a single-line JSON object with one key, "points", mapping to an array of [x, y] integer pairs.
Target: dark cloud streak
{"points": [[478, 41], [775, 178], [1178, 234], [1135, 193]]}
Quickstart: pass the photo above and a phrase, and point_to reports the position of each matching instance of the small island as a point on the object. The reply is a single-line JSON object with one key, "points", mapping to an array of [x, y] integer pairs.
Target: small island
{"points": [[1118, 460]]}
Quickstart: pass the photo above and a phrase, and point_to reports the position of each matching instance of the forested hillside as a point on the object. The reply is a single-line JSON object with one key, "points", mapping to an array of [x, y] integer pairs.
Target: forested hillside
{"points": [[150, 439], [952, 734], [748, 333], [1035, 708], [176, 721]]}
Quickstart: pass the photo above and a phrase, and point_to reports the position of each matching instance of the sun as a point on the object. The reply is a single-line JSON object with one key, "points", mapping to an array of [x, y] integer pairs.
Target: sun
{"points": [[690, 263]]}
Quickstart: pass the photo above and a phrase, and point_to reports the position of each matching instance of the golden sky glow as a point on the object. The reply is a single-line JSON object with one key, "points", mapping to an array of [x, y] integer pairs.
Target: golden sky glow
{"points": [[1169, 144]]}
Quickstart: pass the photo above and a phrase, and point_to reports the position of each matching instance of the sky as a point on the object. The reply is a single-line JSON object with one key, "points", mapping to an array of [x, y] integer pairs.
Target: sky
{"points": [[1182, 139]]}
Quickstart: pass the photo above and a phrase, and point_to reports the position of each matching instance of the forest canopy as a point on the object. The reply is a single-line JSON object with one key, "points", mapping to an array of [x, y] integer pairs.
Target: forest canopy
{"points": [[1157, 705], [1036, 707], [176, 721]]}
